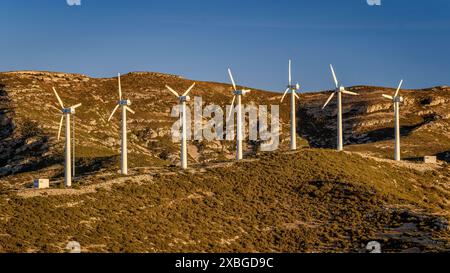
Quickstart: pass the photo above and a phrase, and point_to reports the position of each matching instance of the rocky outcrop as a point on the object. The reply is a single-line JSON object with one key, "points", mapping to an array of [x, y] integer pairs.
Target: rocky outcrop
{"points": [[26, 96], [369, 118]]}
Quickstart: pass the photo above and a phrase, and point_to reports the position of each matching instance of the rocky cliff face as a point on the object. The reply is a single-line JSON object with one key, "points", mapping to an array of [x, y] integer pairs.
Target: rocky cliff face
{"points": [[369, 121], [30, 115]]}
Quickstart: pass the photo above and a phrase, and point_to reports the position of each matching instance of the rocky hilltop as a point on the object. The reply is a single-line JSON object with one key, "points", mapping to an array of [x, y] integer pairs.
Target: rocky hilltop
{"points": [[369, 121], [30, 115]]}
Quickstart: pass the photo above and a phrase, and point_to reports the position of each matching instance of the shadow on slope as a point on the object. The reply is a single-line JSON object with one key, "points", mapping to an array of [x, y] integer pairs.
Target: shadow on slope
{"points": [[23, 145], [444, 156], [89, 165], [316, 129]]}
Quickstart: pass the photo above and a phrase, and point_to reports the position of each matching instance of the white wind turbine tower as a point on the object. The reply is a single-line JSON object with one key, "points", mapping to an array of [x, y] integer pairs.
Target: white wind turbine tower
{"points": [[338, 91], [396, 99], [237, 96], [183, 99], [124, 104], [293, 90], [66, 113]]}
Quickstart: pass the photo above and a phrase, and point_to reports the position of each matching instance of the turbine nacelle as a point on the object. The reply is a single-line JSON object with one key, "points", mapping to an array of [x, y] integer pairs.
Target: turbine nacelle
{"points": [[294, 87], [398, 99], [185, 98], [121, 103], [291, 88], [65, 111], [68, 111], [339, 89], [124, 102], [240, 92], [236, 92]]}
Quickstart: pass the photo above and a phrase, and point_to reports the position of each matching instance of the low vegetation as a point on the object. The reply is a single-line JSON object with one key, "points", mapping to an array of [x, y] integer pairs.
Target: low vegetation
{"points": [[310, 201]]}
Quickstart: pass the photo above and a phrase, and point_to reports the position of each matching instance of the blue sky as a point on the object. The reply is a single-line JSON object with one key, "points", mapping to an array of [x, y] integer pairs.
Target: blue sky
{"points": [[200, 39]]}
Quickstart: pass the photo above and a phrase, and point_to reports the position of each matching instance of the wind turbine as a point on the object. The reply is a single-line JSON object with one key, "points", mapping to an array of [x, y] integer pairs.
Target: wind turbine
{"points": [[183, 99], [237, 96], [293, 90], [66, 113], [338, 91], [124, 104], [396, 99]]}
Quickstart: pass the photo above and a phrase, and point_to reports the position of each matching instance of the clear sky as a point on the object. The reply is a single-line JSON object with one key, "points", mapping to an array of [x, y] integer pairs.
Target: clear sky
{"points": [[199, 39]]}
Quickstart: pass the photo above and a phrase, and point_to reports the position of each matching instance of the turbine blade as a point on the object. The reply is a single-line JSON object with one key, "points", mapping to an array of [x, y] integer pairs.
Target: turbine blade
{"points": [[59, 99], [189, 90], [113, 112], [285, 93], [334, 76], [120, 87], [296, 95], [232, 79], [398, 89], [328, 101], [232, 107], [76, 106], [388, 97], [60, 127], [350, 93], [130, 110], [173, 91], [290, 73]]}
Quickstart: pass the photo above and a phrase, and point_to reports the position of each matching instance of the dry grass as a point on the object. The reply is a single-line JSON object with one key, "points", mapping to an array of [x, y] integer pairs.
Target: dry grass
{"points": [[308, 201]]}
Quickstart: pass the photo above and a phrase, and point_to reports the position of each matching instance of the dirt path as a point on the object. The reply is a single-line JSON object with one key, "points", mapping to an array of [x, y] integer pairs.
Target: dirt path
{"points": [[92, 188], [422, 167]]}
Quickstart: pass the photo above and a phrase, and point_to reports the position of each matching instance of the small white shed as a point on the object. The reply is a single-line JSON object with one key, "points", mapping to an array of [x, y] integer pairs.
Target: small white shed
{"points": [[430, 159], [41, 183]]}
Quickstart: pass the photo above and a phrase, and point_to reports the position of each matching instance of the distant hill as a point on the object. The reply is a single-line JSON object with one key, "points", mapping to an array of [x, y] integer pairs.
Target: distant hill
{"points": [[369, 121], [27, 101], [30, 115]]}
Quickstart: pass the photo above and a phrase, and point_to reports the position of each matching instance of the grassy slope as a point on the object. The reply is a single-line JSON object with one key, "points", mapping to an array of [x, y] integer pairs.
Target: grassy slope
{"points": [[315, 200]]}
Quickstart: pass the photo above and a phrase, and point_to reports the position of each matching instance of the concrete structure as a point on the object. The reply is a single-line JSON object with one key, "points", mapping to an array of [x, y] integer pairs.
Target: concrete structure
{"points": [[41, 183], [430, 159]]}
